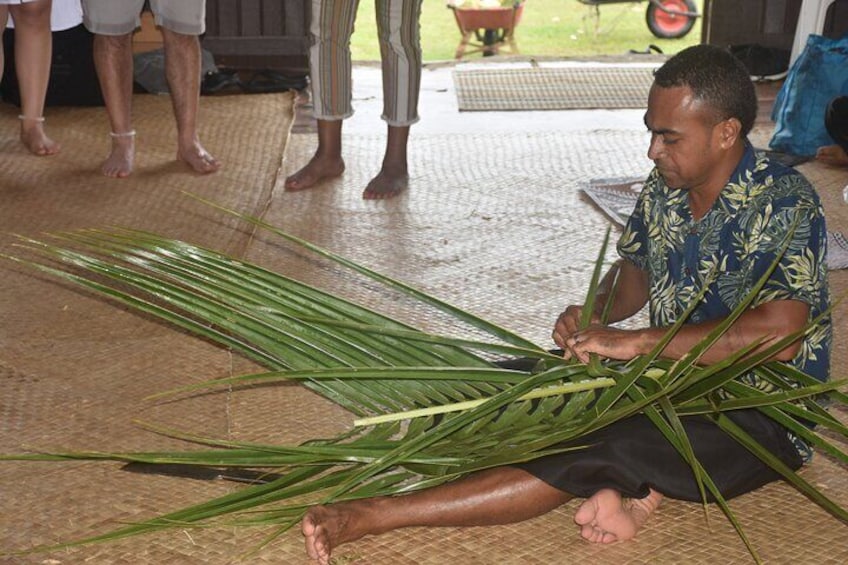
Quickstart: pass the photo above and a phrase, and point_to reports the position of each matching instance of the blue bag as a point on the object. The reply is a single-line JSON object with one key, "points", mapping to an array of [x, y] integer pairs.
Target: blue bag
{"points": [[819, 74]]}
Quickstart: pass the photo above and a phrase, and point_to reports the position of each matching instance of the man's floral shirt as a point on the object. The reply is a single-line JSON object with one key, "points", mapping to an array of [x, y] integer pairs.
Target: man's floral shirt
{"points": [[763, 208]]}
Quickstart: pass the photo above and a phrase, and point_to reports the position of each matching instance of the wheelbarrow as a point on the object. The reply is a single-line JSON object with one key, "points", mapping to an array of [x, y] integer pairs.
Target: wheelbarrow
{"points": [[667, 19], [493, 28]]}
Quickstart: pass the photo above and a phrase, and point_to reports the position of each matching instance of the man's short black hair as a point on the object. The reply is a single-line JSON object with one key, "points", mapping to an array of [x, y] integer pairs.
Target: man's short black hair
{"points": [[717, 78]]}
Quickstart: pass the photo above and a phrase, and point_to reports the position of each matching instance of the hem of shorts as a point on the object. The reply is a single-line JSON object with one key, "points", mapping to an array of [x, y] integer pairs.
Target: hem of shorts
{"points": [[180, 27], [399, 123], [332, 117], [100, 28]]}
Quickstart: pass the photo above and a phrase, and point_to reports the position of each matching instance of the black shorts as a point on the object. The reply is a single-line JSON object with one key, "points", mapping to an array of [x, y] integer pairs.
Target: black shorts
{"points": [[632, 456]]}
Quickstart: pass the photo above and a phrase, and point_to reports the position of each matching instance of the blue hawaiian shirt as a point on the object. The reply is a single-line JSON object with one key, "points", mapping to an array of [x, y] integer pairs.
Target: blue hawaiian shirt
{"points": [[739, 239]]}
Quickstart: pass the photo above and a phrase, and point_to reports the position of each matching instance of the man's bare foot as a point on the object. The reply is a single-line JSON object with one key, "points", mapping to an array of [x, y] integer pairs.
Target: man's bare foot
{"points": [[198, 158], [606, 517], [387, 184], [832, 155], [327, 527], [35, 140], [119, 163], [317, 169]]}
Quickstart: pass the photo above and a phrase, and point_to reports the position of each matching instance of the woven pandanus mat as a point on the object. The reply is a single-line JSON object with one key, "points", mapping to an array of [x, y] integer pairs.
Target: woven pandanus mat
{"points": [[495, 224], [247, 133], [75, 371], [553, 88]]}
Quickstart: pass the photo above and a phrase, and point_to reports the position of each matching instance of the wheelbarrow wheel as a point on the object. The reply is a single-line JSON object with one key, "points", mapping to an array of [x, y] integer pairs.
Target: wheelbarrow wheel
{"points": [[670, 26]]}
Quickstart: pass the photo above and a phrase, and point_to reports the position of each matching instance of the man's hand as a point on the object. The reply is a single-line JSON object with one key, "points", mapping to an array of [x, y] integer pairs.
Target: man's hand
{"points": [[567, 324], [630, 295], [567, 335], [607, 342]]}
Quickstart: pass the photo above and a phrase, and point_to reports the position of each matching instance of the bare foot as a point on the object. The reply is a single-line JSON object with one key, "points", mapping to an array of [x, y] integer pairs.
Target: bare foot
{"points": [[196, 157], [327, 527], [387, 184], [317, 169], [606, 517], [832, 155], [119, 163], [35, 140]]}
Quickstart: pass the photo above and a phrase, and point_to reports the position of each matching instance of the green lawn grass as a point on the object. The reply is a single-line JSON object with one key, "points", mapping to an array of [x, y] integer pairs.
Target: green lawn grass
{"points": [[549, 28]]}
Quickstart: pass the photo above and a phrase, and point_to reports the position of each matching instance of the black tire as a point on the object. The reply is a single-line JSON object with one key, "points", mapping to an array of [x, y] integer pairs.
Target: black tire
{"points": [[669, 26]]}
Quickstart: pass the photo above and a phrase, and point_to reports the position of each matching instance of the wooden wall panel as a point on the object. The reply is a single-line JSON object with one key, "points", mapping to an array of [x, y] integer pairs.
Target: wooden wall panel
{"points": [[770, 23], [766, 22], [257, 33]]}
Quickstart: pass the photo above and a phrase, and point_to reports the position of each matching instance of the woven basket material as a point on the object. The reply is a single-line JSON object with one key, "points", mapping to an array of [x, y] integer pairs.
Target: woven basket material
{"points": [[553, 88]]}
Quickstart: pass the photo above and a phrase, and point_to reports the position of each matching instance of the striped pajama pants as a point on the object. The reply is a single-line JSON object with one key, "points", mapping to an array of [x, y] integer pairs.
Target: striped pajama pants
{"points": [[400, 51]]}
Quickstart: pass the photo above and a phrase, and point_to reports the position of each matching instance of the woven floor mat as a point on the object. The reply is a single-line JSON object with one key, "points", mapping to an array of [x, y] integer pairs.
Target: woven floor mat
{"points": [[501, 231], [553, 88], [489, 229], [66, 191], [75, 370], [247, 133]]}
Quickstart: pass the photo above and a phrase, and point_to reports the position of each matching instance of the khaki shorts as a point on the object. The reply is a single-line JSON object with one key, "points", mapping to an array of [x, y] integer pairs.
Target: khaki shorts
{"points": [[120, 17]]}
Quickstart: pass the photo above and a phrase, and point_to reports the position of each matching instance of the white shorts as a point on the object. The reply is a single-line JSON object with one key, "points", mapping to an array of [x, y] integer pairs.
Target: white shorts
{"points": [[120, 17], [64, 15]]}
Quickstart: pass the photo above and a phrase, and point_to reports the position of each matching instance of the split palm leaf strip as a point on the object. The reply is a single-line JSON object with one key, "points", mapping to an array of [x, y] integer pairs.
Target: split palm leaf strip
{"points": [[430, 408]]}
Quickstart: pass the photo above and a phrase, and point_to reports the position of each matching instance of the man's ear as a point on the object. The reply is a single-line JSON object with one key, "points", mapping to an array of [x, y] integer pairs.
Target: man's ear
{"points": [[729, 131]]}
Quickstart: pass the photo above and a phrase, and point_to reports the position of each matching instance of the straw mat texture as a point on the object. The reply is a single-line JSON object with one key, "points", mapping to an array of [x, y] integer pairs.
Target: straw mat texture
{"points": [[74, 370], [552, 88], [247, 133], [502, 232]]}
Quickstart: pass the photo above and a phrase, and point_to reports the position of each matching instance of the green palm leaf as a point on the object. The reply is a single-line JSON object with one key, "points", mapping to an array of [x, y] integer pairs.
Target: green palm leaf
{"points": [[373, 365]]}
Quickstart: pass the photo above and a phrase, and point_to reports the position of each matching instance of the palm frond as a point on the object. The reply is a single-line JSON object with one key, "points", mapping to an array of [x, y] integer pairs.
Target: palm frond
{"points": [[470, 413]]}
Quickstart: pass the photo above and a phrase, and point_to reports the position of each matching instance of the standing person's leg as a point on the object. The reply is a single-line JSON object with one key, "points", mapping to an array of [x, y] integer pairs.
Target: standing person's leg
{"points": [[113, 22], [330, 78], [400, 50], [33, 53], [182, 21], [182, 69]]}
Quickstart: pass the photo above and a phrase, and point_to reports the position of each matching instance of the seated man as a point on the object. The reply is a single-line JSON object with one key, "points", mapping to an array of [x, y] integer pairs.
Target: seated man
{"points": [[711, 202], [836, 122]]}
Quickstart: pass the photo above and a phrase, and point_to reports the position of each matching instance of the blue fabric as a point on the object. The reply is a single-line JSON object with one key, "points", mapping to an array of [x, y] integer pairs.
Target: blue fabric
{"points": [[818, 75]]}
